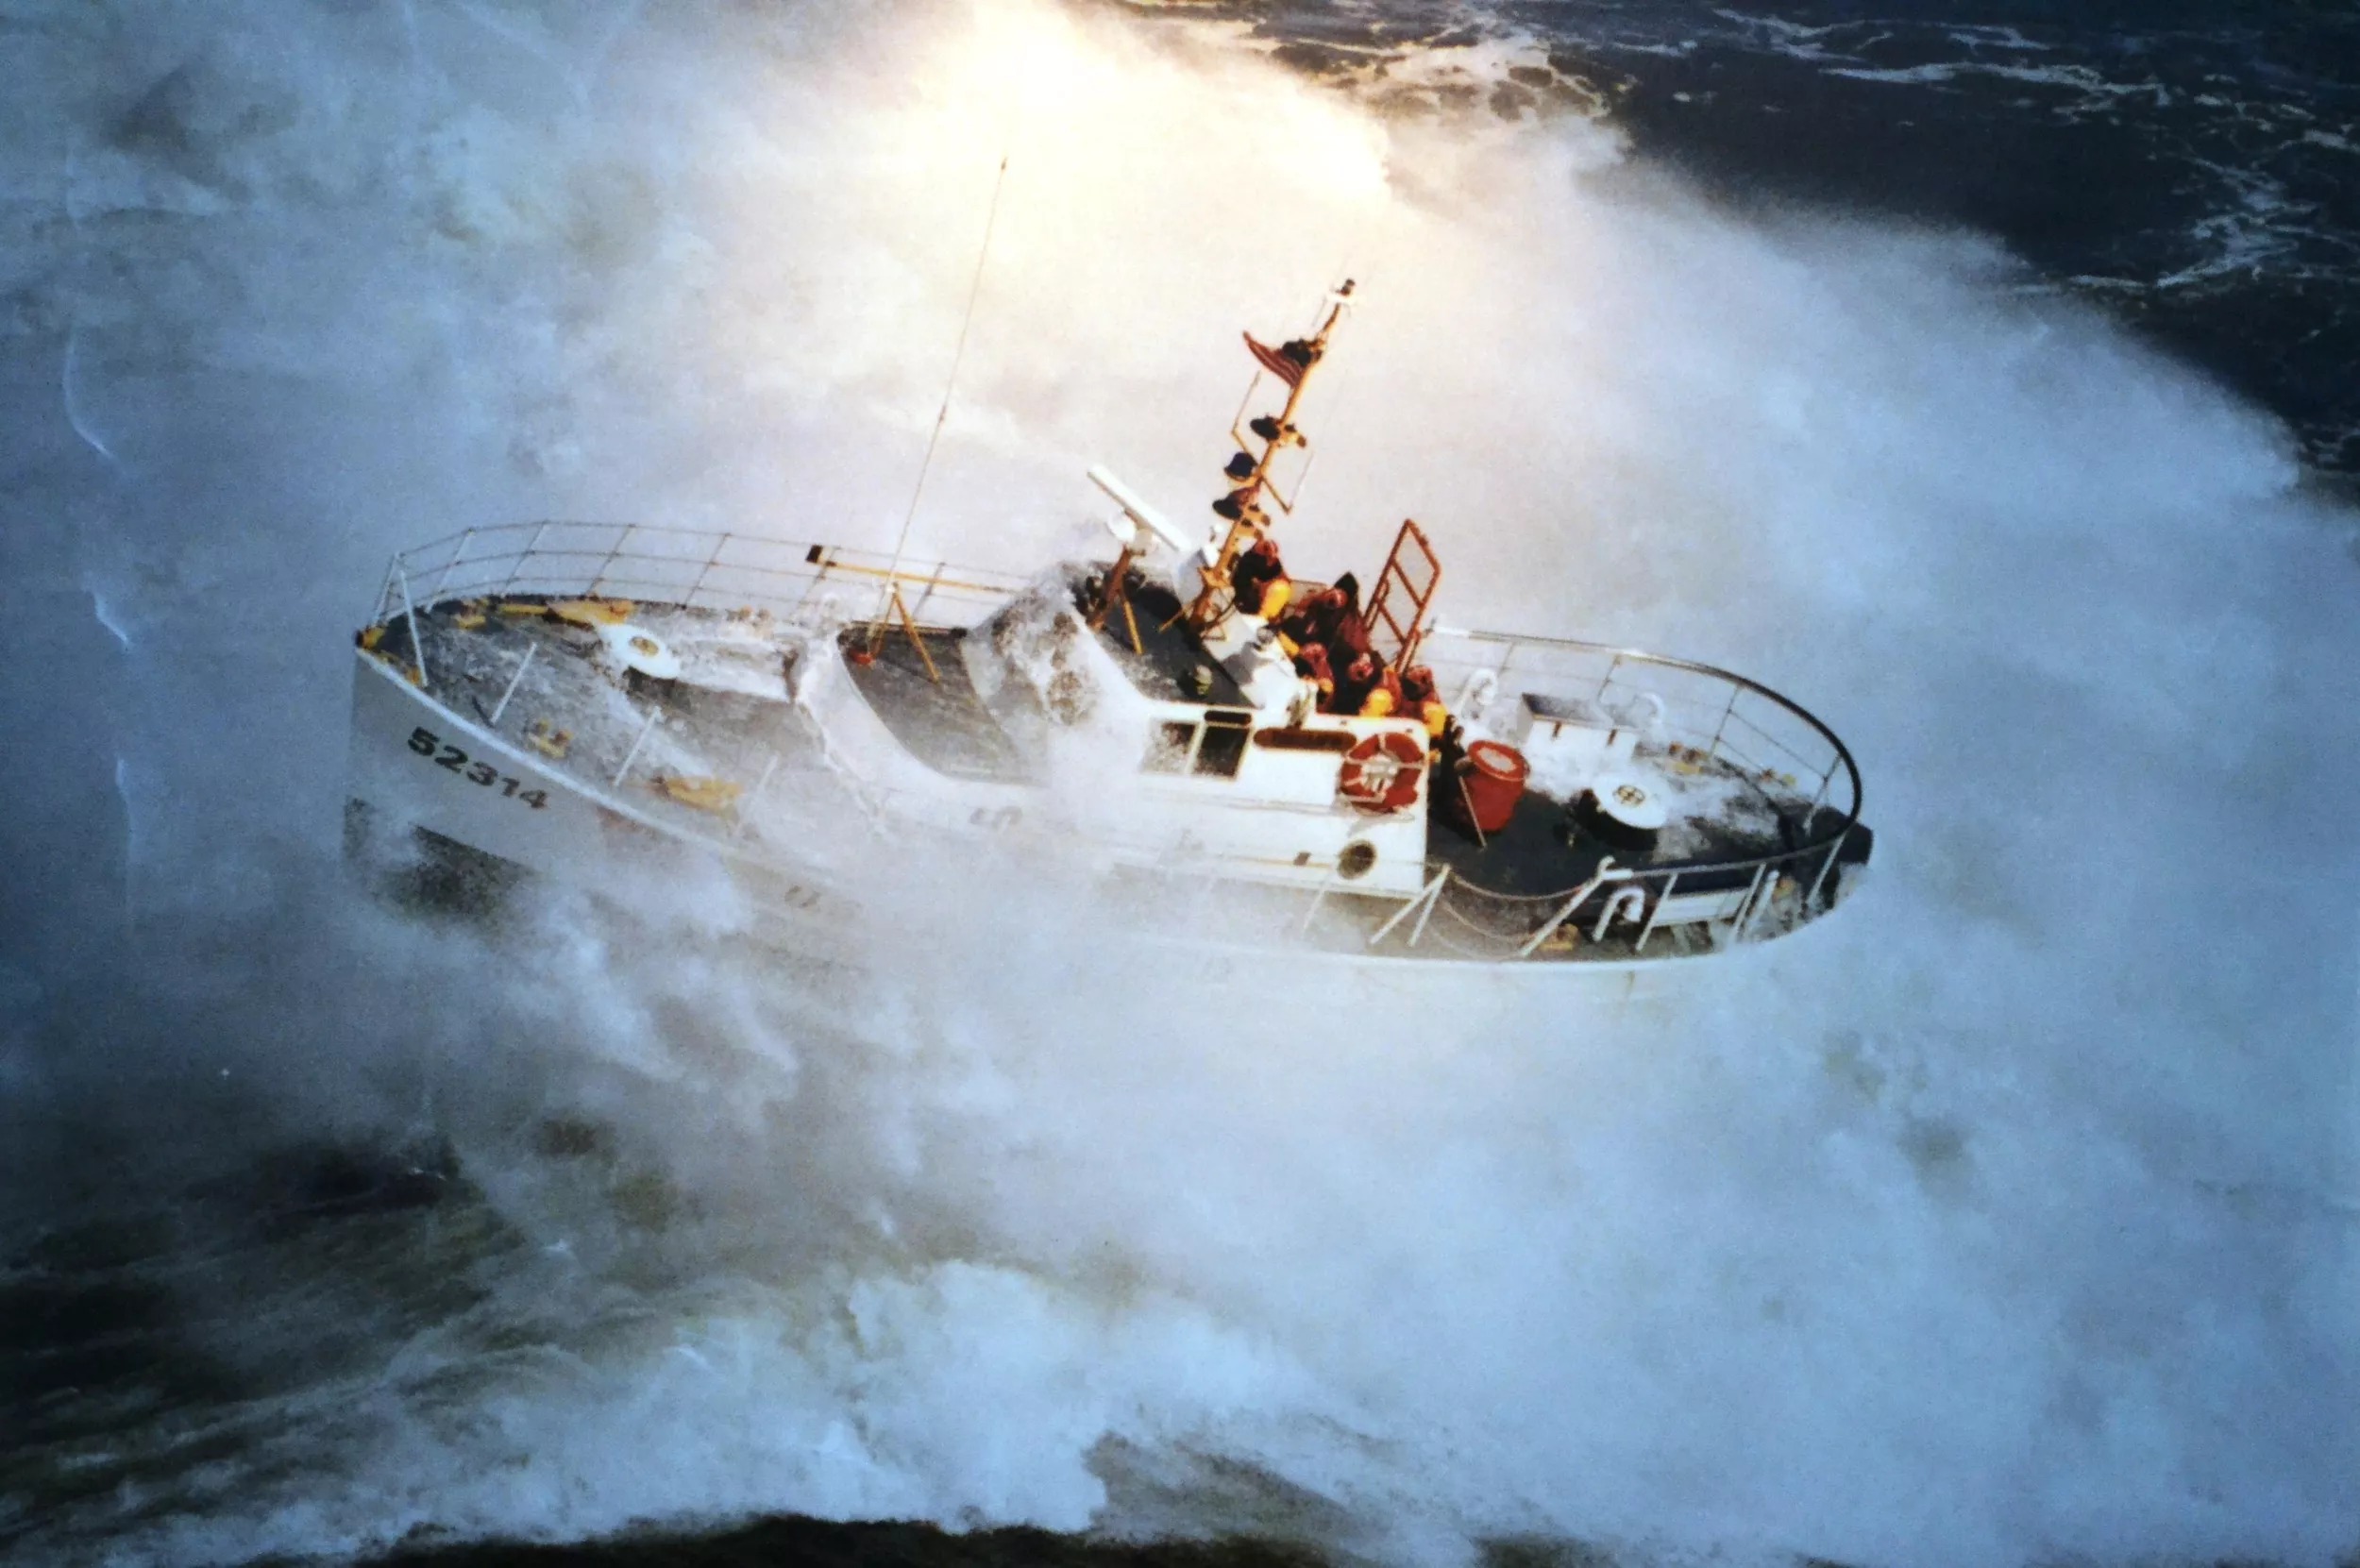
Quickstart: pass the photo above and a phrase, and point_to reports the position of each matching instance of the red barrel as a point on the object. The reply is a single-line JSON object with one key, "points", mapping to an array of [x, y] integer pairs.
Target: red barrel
{"points": [[1493, 780]]}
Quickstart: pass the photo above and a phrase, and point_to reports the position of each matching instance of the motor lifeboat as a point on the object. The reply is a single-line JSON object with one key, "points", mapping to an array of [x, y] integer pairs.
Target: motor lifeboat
{"points": [[1237, 754]]}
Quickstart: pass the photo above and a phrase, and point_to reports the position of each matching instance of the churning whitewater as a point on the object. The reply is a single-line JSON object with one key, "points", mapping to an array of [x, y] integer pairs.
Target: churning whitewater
{"points": [[2012, 1216]]}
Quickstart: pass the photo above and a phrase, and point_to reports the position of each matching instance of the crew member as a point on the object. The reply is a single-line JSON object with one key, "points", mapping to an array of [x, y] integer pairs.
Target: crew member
{"points": [[1259, 581], [1349, 638], [1330, 617], [1310, 620], [1419, 700], [1362, 678], [1311, 664]]}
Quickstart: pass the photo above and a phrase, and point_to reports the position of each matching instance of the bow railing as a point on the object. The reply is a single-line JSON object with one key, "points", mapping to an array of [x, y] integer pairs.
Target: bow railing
{"points": [[694, 568]]}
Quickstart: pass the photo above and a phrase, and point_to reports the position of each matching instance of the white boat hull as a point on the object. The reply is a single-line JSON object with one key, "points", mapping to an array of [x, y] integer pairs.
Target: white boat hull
{"points": [[415, 766]]}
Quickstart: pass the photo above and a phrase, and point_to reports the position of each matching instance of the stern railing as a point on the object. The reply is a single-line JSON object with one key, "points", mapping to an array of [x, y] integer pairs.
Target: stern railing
{"points": [[1709, 714]]}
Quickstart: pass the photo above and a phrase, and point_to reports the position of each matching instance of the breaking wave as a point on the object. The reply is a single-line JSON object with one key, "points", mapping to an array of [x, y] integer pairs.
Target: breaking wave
{"points": [[2008, 1216]]}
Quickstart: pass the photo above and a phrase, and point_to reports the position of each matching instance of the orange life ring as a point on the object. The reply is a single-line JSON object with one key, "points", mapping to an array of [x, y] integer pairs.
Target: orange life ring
{"points": [[1381, 774]]}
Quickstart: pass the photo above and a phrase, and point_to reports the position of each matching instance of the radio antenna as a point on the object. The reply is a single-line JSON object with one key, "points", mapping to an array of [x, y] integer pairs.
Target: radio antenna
{"points": [[893, 574]]}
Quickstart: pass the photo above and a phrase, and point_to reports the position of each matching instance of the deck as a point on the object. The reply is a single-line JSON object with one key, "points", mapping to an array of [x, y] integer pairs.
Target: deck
{"points": [[937, 715], [536, 683], [1170, 665], [1550, 846]]}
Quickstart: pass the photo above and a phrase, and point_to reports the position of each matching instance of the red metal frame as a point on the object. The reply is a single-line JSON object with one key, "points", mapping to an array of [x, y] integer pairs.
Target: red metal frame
{"points": [[1383, 622]]}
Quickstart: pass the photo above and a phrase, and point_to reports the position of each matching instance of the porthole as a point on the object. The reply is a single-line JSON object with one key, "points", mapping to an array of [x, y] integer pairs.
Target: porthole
{"points": [[1358, 859]]}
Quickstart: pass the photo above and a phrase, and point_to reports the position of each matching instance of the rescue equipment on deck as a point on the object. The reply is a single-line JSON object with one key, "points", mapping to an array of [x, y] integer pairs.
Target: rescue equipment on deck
{"points": [[640, 651], [1381, 774], [705, 794], [548, 739], [593, 612], [1627, 804], [1490, 781]]}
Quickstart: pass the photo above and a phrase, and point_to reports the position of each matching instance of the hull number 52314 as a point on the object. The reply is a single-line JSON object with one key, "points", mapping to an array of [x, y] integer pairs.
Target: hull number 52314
{"points": [[427, 744]]}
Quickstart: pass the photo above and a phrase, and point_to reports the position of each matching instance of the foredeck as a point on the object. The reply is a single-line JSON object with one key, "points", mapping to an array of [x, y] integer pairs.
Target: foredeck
{"points": [[929, 700], [468, 618], [534, 680]]}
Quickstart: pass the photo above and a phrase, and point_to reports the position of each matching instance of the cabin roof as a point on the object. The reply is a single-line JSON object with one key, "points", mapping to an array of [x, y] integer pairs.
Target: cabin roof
{"points": [[1170, 663]]}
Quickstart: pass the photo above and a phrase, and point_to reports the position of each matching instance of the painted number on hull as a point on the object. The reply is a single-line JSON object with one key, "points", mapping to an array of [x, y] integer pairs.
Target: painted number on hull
{"points": [[427, 744]]}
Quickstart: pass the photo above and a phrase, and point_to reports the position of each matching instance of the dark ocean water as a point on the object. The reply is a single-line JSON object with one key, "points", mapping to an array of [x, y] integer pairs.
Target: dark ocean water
{"points": [[2188, 166], [183, 1331]]}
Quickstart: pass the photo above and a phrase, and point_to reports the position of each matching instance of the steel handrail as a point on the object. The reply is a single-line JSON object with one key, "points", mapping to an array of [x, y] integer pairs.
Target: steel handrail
{"points": [[499, 569], [1511, 640], [591, 557], [453, 554]]}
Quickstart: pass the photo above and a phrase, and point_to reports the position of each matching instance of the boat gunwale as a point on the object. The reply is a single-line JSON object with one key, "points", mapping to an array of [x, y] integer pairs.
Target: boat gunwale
{"points": [[449, 554]]}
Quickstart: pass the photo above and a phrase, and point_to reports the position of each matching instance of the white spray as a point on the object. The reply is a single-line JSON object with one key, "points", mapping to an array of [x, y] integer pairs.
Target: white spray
{"points": [[2006, 1216]]}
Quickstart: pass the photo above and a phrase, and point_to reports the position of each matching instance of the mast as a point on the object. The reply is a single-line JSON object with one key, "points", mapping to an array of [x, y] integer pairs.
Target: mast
{"points": [[1290, 364]]}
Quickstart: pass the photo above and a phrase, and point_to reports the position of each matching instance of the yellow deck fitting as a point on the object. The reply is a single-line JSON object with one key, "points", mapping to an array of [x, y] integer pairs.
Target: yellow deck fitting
{"points": [[467, 620], [550, 741], [593, 612], [370, 638], [521, 609], [703, 793]]}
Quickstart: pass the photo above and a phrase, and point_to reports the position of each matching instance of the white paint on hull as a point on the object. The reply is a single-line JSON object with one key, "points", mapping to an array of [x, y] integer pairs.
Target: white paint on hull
{"points": [[571, 838], [598, 841]]}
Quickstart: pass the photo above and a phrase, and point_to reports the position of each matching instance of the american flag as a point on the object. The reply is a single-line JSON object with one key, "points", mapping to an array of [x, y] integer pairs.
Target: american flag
{"points": [[1278, 363]]}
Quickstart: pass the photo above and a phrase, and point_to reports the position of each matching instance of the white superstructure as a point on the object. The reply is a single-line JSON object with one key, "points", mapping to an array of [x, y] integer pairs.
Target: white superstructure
{"points": [[567, 697]]}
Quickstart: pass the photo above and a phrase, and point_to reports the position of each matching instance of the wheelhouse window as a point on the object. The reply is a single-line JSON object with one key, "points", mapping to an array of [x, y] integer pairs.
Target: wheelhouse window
{"points": [[1169, 748], [1213, 746], [1221, 742]]}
